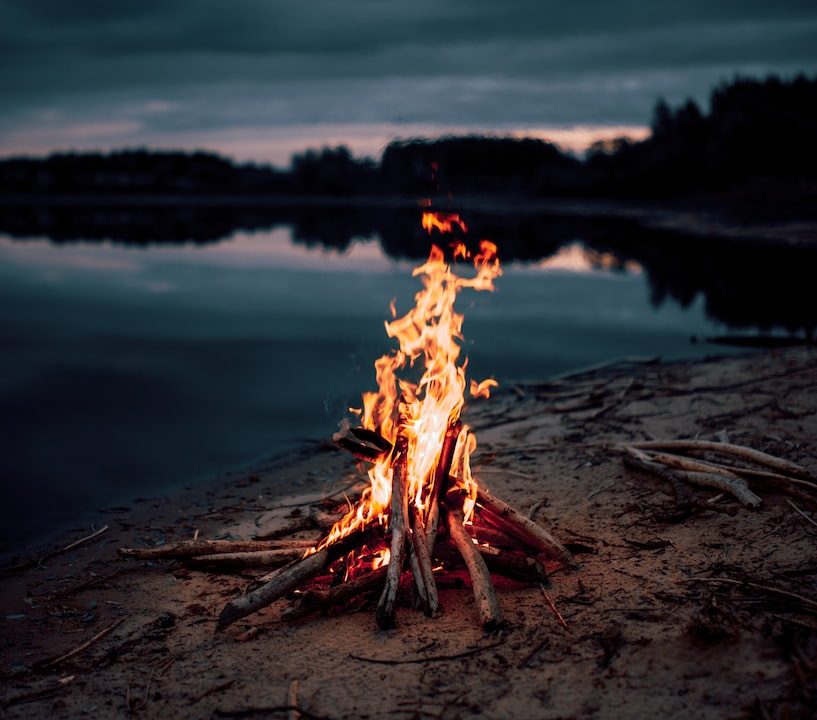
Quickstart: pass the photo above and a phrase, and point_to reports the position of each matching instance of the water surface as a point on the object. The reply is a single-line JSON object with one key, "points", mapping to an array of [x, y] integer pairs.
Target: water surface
{"points": [[128, 370]]}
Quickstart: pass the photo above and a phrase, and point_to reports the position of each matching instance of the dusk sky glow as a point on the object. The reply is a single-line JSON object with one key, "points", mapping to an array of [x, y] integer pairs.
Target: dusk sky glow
{"points": [[258, 80]]}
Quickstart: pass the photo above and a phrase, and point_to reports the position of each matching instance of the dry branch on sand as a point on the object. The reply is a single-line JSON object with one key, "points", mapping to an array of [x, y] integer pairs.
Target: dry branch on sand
{"points": [[663, 459]]}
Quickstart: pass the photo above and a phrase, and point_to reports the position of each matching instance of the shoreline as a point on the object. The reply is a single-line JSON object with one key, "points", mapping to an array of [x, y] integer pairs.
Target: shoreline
{"points": [[685, 217], [641, 638]]}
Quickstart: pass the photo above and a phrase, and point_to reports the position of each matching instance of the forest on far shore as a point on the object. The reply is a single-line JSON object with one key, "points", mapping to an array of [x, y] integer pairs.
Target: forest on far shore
{"points": [[755, 147]]}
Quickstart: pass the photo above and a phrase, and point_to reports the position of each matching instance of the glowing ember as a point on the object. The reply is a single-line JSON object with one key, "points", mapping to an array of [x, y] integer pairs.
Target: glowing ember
{"points": [[429, 337]]}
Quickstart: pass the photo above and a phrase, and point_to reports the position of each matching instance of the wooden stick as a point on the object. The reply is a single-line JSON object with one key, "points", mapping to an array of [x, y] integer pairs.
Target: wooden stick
{"points": [[696, 474], [423, 575], [283, 581], [683, 496], [776, 480], [756, 456], [441, 481], [514, 523], [700, 473], [798, 510], [359, 450], [14, 569], [553, 607], [680, 462], [398, 523], [490, 613], [81, 541], [516, 565], [294, 713], [492, 536], [82, 648], [373, 437], [323, 600], [193, 548], [260, 558]]}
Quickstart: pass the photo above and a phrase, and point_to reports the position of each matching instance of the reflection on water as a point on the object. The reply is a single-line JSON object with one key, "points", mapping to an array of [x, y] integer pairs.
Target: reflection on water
{"points": [[130, 368]]}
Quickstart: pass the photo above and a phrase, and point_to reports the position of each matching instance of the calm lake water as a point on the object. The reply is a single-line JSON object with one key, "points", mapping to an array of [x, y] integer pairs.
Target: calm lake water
{"points": [[126, 370]]}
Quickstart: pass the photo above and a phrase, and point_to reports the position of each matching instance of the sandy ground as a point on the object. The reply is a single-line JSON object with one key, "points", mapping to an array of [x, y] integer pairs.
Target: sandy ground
{"points": [[645, 637]]}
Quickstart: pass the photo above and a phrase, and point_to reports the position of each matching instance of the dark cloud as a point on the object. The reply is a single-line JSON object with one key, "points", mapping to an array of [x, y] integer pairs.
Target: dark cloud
{"points": [[159, 68]]}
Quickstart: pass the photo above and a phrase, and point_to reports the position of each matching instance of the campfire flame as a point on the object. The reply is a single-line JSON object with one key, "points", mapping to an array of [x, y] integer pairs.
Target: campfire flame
{"points": [[429, 337]]}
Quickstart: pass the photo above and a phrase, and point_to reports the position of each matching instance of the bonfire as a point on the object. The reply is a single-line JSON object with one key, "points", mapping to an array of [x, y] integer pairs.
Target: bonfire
{"points": [[421, 513]]}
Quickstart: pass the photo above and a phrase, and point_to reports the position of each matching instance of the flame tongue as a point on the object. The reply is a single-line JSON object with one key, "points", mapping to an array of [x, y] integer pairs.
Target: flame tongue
{"points": [[429, 338]]}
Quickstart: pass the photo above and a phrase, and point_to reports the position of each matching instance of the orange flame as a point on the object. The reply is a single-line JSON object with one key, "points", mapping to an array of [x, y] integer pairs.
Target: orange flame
{"points": [[483, 389], [429, 338], [443, 222]]}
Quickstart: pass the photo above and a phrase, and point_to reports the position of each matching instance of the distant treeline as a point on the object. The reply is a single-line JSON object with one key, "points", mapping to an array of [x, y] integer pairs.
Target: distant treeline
{"points": [[758, 139]]}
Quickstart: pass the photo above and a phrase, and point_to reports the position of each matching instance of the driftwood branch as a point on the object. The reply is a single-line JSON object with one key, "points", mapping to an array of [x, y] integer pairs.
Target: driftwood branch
{"points": [[398, 523], [490, 613], [259, 558], [694, 472], [193, 548], [745, 453]]}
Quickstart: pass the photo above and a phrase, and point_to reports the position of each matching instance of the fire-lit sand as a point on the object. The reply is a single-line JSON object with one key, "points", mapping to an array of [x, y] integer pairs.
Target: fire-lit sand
{"points": [[692, 592]]}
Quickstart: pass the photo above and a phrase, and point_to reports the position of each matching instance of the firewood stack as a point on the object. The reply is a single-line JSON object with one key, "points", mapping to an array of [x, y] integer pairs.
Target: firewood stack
{"points": [[501, 539]]}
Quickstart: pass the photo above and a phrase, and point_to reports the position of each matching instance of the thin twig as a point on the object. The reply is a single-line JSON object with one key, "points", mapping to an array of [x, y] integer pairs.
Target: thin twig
{"points": [[536, 507], [797, 509], [28, 564], [82, 648], [553, 607], [81, 541]]}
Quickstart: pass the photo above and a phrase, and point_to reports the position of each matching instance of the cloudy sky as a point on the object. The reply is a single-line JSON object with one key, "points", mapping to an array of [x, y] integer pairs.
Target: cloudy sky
{"points": [[258, 79]]}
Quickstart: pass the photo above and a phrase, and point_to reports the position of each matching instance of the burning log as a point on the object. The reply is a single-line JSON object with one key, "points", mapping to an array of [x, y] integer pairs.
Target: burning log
{"points": [[359, 450], [421, 565], [337, 596], [516, 524], [287, 578], [512, 564], [441, 481], [398, 523], [487, 605], [488, 535]]}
